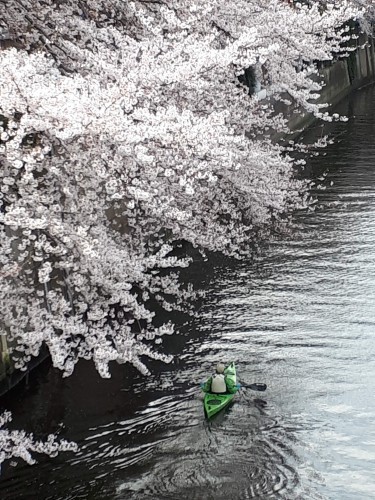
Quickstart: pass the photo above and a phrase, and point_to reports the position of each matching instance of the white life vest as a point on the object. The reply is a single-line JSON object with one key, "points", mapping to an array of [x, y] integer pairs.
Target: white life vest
{"points": [[218, 385]]}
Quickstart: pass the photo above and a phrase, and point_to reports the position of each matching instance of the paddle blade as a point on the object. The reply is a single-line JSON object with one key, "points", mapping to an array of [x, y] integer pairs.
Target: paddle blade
{"points": [[256, 387]]}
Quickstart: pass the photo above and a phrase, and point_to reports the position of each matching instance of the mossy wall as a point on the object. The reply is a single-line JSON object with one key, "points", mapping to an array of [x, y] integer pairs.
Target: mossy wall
{"points": [[6, 367]]}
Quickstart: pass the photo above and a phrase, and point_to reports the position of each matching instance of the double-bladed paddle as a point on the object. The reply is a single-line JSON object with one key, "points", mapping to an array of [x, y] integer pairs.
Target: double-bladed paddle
{"points": [[253, 387]]}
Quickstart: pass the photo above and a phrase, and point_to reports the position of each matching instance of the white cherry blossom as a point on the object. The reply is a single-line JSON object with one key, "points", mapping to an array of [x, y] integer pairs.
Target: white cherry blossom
{"points": [[124, 128]]}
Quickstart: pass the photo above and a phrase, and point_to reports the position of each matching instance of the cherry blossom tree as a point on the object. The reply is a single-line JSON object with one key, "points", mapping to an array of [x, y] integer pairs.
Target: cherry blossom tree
{"points": [[125, 128]]}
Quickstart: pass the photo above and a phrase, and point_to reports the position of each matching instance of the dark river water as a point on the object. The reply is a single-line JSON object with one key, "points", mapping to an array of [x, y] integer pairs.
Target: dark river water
{"points": [[299, 317]]}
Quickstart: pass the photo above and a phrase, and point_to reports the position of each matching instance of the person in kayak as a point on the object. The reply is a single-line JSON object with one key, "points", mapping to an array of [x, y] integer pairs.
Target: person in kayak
{"points": [[219, 383]]}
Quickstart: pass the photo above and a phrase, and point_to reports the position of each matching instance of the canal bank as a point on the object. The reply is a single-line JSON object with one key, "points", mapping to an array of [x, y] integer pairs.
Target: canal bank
{"points": [[340, 78]]}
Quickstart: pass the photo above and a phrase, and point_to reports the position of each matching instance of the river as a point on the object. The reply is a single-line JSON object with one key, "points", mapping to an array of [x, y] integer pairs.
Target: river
{"points": [[298, 316]]}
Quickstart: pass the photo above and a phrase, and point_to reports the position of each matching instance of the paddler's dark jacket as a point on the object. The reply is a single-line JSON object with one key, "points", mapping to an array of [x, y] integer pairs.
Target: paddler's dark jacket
{"points": [[231, 386]]}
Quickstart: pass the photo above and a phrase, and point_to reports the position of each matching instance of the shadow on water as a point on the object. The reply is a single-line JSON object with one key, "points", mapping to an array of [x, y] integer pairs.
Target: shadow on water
{"points": [[299, 317]]}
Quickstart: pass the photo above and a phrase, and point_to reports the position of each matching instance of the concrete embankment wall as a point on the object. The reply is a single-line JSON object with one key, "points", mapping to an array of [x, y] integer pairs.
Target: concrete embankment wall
{"points": [[9, 375], [5, 364], [342, 77]]}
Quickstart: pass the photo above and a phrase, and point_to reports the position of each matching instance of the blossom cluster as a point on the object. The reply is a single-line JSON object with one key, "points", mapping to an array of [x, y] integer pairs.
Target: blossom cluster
{"points": [[19, 444]]}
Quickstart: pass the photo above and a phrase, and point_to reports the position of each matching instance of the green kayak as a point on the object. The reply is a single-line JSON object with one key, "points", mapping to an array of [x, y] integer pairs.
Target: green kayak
{"points": [[213, 403]]}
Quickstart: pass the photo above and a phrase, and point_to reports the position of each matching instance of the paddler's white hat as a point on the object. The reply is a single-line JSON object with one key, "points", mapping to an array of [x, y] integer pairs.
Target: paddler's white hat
{"points": [[220, 368]]}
